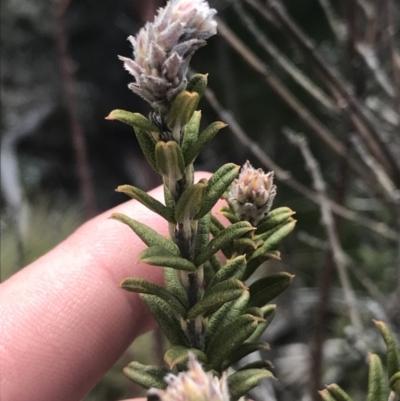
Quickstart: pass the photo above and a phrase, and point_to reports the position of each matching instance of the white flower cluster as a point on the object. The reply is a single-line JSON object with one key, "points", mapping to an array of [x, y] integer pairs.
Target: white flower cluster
{"points": [[193, 385], [252, 194], [162, 50]]}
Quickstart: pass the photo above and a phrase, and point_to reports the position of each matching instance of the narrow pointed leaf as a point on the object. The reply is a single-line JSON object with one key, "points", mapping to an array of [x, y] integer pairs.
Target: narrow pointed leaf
{"points": [[169, 160], [173, 285], [267, 288], [242, 351], [272, 241], [233, 269], [145, 132], [393, 352], [147, 376], [261, 364], [180, 355], [203, 139], [223, 238], [219, 295], [225, 316], [394, 384], [274, 218], [141, 286], [203, 234], [197, 83], [182, 109], [338, 393], [228, 339], [157, 256], [241, 382], [376, 380], [190, 202], [169, 200], [147, 200], [229, 214], [165, 317], [255, 263], [217, 185], [326, 396], [135, 120], [149, 236], [190, 136], [216, 226], [269, 312]]}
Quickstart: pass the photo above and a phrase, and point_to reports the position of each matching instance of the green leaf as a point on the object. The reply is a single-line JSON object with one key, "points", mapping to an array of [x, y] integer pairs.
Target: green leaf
{"points": [[274, 218], [261, 364], [229, 214], [228, 339], [224, 316], [376, 380], [233, 269], [242, 351], [217, 185], [141, 286], [166, 319], [190, 136], [149, 236], [169, 200], [216, 226], [146, 133], [325, 395], [394, 384], [169, 161], [223, 238], [203, 234], [203, 139], [180, 355], [221, 293], [135, 120], [157, 256], [338, 393], [254, 263], [182, 109], [393, 353], [173, 285], [197, 83], [267, 288], [146, 375], [272, 241], [242, 381], [148, 201], [269, 313], [190, 202]]}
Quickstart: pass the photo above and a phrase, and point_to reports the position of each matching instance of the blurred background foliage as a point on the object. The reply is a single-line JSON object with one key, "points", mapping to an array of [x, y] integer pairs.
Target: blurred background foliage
{"points": [[61, 161]]}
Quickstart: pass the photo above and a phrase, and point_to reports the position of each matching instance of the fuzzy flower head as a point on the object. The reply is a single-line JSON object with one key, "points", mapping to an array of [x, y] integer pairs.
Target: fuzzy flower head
{"points": [[162, 50], [193, 385], [252, 193]]}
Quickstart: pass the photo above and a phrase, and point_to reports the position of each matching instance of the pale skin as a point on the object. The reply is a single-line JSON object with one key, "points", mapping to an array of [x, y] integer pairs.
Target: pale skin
{"points": [[64, 321]]}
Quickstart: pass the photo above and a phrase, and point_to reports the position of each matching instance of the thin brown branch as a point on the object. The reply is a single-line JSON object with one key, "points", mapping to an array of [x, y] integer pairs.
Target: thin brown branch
{"points": [[305, 115], [286, 178], [338, 254], [335, 23], [371, 135], [283, 61], [77, 132]]}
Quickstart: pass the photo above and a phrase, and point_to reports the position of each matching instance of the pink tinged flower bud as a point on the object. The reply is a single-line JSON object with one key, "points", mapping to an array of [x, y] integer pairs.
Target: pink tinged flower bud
{"points": [[162, 50], [252, 193], [192, 385]]}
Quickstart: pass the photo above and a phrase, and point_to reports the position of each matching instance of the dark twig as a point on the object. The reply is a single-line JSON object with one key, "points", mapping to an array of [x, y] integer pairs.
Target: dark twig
{"points": [[77, 132], [371, 135], [338, 255]]}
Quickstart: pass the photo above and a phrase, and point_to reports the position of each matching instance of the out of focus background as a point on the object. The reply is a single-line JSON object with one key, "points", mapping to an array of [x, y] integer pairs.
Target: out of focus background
{"points": [[310, 89]]}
